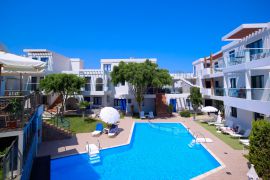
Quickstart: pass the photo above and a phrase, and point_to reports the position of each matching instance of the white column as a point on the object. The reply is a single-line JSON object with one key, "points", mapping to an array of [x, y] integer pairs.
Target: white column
{"points": [[20, 149], [225, 85], [248, 84]]}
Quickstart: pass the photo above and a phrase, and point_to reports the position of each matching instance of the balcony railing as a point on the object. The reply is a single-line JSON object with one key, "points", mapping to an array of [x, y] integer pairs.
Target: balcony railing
{"points": [[262, 94], [219, 92], [15, 111], [247, 55], [237, 92]]}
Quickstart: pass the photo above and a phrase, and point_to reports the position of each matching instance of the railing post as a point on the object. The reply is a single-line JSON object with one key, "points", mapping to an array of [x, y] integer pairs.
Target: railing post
{"points": [[247, 55]]}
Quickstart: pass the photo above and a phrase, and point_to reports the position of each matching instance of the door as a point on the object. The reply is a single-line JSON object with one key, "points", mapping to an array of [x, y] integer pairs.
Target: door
{"points": [[173, 103]]}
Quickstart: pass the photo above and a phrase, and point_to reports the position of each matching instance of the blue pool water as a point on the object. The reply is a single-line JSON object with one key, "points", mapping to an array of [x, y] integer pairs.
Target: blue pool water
{"points": [[151, 154]]}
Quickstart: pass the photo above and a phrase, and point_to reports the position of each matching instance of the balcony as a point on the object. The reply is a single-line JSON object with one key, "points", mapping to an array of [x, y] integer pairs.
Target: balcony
{"points": [[237, 92], [261, 94], [219, 92], [206, 71], [15, 111], [247, 55], [206, 91]]}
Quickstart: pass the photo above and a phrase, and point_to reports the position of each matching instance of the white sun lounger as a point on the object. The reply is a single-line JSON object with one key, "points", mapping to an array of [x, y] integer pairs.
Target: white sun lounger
{"points": [[151, 115], [237, 135], [244, 141], [203, 140], [142, 116]]}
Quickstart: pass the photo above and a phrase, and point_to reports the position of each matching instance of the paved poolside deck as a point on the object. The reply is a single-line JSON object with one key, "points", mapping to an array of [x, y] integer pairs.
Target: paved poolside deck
{"points": [[235, 164]]}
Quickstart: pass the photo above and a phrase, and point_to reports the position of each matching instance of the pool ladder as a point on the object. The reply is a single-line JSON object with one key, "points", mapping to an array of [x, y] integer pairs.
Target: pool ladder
{"points": [[95, 157], [194, 141]]}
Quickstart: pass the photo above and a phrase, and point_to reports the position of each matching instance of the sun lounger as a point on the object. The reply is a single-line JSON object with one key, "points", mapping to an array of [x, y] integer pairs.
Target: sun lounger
{"points": [[142, 116], [239, 135], [99, 129], [244, 141], [151, 115], [231, 130], [113, 131]]}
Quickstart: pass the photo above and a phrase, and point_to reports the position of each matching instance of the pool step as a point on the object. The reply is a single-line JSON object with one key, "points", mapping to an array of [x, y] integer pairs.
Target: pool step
{"points": [[95, 158]]}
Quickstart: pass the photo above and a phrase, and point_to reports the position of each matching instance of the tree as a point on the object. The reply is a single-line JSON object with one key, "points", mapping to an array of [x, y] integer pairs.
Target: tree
{"points": [[196, 99], [140, 76], [259, 149], [83, 105], [64, 84]]}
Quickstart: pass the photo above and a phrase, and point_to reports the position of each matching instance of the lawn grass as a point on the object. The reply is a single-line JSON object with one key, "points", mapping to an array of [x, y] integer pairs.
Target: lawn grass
{"points": [[233, 142], [80, 125]]}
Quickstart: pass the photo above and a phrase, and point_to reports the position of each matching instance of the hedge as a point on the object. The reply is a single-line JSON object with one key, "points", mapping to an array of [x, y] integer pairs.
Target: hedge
{"points": [[185, 113], [259, 151]]}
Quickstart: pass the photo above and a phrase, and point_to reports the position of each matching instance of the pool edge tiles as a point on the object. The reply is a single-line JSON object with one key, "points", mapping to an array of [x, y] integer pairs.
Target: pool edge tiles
{"points": [[132, 134]]}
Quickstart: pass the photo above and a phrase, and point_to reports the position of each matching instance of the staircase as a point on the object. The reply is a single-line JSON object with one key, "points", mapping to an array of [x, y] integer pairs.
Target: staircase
{"points": [[161, 106], [51, 132], [53, 106]]}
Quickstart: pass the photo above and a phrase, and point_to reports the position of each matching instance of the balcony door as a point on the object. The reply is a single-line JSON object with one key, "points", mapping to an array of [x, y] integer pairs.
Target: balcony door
{"points": [[233, 82], [257, 81], [33, 83], [257, 85], [255, 48]]}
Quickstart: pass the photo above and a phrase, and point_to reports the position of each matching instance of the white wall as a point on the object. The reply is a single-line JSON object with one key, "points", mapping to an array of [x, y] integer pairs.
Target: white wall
{"points": [[76, 64]]}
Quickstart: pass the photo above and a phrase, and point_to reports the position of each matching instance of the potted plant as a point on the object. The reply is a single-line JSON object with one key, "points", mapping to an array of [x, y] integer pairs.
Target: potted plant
{"points": [[14, 108]]}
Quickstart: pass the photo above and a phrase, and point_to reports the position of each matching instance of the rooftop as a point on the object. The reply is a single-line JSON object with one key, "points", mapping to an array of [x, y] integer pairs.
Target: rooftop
{"points": [[243, 31]]}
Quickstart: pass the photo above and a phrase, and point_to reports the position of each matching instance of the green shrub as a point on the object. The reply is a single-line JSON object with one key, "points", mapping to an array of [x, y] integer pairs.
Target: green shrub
{"points": [[170, 108], [185, 113], [259, 151]]}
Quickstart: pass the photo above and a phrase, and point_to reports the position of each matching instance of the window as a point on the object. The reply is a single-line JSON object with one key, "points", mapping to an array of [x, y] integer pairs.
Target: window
{"points": [[234, 112], [35, 58], [232, 55], [87, 86], [258, 116], [123, 83], [97, 101], [255, 47], [117, 102], [129, 101], [107, 67], [99, 84], [33, 83], [233, 82], [216, 64], [257, 81], [207, 84], [44, 59], [216, 84]]}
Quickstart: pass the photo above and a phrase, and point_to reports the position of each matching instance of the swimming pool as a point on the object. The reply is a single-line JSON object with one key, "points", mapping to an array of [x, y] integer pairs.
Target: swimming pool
{"points": [[151, 154]]}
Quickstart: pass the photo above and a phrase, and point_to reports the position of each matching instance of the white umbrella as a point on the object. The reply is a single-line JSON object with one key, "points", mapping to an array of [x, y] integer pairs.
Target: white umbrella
{"points": [[12, 62], [219, 117], [109, 115], [209, 109]]}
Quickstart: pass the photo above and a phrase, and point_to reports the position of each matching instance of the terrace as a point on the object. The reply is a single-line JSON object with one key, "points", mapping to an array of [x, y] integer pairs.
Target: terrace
{"points": [[15, 111]]}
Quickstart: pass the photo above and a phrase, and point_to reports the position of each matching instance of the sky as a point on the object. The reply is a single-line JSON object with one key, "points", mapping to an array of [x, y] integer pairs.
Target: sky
{"points": [[176, 32]]}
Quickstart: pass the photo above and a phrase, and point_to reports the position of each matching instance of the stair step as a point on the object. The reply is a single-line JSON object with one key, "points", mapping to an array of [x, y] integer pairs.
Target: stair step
{"points": [[95, 161]]}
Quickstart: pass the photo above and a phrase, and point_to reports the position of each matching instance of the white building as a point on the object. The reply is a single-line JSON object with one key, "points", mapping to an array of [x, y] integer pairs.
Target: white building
{"points": [[100, 90], [239, 75]]}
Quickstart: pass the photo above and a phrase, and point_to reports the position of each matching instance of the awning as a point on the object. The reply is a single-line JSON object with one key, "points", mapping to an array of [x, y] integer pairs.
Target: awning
{"points": [[12, 62], [243, 31]]}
